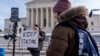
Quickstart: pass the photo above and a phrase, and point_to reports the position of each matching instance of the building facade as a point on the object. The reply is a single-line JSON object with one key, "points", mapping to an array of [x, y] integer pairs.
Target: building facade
{"points": [[8, 28], [94, 23], [41, 12]]}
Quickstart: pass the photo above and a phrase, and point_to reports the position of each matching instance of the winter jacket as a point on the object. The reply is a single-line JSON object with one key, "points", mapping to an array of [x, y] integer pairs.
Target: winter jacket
{"points": [[63, 39]]}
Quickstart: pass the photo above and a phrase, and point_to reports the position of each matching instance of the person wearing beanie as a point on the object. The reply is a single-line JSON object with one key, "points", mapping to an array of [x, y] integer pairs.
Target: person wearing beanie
{"points": [[64, 41], [60, 7], [58, 44]]}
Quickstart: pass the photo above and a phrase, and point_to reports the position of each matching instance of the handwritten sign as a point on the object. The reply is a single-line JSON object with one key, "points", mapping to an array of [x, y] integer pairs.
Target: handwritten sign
{"points": [[29, 38]]}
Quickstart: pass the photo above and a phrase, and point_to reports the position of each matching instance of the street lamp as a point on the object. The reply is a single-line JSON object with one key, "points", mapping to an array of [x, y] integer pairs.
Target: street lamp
{"points": [[90, 15]]}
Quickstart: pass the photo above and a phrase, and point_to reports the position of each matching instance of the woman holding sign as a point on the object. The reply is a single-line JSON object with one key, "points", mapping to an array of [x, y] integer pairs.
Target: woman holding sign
{"points": [[36, 51]]}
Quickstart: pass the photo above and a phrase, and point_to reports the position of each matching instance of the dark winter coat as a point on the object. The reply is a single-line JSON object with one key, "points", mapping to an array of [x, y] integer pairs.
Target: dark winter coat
{"points": [[63, 39], [42, 34]]}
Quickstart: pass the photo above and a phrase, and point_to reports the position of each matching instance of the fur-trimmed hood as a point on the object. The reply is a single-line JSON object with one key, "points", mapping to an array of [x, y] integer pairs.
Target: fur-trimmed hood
{"points": [[77, 15]]}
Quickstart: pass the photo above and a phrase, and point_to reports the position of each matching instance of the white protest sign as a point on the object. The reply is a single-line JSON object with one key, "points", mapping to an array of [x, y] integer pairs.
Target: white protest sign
{"points": [[29, 38]]}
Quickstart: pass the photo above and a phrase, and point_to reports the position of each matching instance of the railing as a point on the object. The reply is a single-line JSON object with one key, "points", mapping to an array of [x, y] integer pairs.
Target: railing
{"points": [[23, 51]]}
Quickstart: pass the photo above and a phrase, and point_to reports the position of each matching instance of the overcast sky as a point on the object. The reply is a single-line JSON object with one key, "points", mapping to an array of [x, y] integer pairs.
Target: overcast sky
{"points": [[5, 7]]}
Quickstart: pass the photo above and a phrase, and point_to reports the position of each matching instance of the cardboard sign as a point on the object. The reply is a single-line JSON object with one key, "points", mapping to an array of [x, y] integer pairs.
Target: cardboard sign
{"points": [[29, 38]]}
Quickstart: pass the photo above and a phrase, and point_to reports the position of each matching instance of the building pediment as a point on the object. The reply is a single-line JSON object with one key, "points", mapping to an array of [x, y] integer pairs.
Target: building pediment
{"points": [[40, 1]]}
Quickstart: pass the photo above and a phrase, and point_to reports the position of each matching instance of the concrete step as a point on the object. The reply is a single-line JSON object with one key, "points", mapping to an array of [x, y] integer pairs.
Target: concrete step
{"points": [[23, 52], [21, 55], [18, 48], [45, 44], [6, 42], [18, 45]]}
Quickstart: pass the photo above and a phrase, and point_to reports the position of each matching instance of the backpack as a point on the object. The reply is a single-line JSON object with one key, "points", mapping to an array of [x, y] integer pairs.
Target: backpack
{"points": [[86, 44]]}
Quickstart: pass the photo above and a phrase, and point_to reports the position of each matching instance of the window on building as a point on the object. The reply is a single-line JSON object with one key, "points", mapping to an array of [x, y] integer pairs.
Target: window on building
{"points": [[92, 23]]}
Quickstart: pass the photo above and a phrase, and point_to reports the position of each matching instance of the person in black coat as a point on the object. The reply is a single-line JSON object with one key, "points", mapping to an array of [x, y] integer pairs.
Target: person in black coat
{"points": [[36, 51]]}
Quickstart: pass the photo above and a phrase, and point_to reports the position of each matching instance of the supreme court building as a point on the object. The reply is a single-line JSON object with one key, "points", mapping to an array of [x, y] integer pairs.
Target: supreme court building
{"points": [[41, 12]]}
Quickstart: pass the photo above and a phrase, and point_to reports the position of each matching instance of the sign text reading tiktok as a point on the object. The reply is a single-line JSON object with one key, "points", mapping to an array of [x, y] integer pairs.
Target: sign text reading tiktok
{"points": [[29, 38]]}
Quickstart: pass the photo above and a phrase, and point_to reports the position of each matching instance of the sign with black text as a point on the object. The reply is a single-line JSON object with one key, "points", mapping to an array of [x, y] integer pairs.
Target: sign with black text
{"points": [[29, 38]]}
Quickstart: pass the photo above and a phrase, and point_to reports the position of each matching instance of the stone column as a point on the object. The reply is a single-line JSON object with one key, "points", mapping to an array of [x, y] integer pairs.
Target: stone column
{"points": [[32, 23], [52, 18], [28, 17], [41, 18], [47, 17], [36, 15]]}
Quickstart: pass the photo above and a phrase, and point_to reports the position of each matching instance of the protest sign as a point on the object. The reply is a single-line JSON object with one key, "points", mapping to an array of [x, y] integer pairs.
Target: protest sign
{"points": [[29, 38]]}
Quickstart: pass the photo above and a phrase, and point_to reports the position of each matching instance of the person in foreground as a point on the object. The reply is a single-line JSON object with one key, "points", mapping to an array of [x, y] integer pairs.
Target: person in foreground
{"points": [[63, 40]]}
